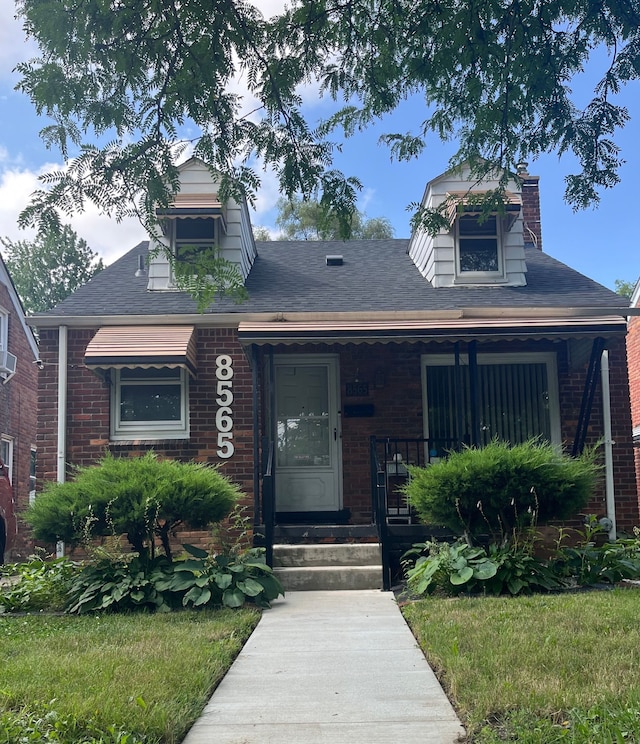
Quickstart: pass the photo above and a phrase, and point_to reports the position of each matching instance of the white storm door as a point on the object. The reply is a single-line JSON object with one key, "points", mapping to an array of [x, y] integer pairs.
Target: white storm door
{"points": [[308, 460]]}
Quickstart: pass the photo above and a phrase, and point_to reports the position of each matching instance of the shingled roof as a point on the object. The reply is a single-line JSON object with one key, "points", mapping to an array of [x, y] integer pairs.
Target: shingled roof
{"points": [[293, 276]]}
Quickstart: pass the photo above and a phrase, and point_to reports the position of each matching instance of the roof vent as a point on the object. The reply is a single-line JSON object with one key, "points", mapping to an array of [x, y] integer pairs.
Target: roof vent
{"points": [[334, 261], [141, 270]]}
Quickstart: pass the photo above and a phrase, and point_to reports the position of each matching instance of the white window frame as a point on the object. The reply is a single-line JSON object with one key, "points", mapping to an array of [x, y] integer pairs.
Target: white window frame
{"points": [[480, 277], [204, 243], [4, 329], [6, 444], [149, 430], [548, 358], [33, 454]]}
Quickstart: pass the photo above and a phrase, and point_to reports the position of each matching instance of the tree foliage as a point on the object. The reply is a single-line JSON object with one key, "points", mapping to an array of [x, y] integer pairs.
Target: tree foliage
{"points": [[624, 288], [143, 497], [50, 267], [306, 219], [124, 83]]}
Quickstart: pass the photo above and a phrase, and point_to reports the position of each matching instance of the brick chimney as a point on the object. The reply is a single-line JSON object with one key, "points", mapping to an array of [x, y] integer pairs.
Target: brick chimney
{"points": [[530, 208]]}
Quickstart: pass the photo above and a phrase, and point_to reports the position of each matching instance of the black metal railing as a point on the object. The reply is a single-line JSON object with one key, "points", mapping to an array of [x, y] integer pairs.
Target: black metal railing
{"points": [[391, 458]]}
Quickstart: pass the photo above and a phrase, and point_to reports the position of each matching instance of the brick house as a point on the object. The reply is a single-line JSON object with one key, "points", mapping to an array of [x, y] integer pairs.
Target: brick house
{"points": [[18, 417], [633, 356], [348, 360]]}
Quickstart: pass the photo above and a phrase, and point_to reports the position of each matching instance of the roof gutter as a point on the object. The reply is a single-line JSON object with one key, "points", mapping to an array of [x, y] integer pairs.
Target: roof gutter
{"points": [[230, 320]]}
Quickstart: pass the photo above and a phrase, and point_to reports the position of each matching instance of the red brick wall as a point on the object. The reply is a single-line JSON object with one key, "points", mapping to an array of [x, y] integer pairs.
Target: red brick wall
{"points": [[18, 420], [633, 354], [395, 390], [88, 410]]}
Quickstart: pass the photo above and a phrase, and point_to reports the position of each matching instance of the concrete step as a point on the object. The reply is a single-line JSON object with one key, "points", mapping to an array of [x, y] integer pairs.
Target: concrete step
{"points": [[329, 578], [351, 554], [322, 567]]}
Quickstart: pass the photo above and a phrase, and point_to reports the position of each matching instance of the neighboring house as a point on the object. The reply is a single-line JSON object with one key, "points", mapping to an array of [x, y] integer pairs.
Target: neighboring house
{"points": [[18, 422], [348, 360], [633, 354]]}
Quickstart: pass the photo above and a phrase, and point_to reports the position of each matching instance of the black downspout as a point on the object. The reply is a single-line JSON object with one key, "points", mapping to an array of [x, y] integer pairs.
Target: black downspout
{"points": [[473, 394]]}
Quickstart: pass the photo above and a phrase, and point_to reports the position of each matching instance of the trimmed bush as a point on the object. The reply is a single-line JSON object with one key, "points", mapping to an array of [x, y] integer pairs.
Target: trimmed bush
{"points": [[499, 490], [145, 498]]}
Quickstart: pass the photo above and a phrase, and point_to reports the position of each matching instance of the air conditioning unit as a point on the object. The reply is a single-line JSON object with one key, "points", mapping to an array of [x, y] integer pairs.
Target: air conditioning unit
{"points": [[8, 363]]}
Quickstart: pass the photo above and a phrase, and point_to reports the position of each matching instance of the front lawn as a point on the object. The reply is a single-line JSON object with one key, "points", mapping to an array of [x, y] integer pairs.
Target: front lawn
{"points": [[538, 669], [117, 679]]}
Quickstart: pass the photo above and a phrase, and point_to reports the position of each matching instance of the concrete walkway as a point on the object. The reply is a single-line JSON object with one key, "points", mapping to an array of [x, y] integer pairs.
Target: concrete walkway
{"points": [[332, 666]]}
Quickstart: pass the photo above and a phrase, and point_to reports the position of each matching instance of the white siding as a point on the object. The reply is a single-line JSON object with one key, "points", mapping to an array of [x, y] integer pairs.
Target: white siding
{"points": [[434, 257], [236, 244]]}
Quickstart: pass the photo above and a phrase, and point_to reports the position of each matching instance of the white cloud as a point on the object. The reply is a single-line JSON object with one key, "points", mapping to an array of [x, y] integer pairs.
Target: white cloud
{"points": [[103, 234], [14, 47]]}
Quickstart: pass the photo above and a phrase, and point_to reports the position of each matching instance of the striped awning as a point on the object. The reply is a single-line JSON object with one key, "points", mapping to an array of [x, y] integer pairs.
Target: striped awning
{"points": [[194, 206], [469, 202], [142, 346], [413, 331]]}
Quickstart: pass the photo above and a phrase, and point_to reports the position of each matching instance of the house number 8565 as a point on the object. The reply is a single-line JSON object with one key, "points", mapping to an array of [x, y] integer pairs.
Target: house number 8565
{"points": [[224, 391]]}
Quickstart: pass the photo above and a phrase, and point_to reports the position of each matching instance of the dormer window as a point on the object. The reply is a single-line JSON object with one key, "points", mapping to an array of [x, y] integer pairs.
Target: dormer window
{"points": [[193, 237], [479, 247]]}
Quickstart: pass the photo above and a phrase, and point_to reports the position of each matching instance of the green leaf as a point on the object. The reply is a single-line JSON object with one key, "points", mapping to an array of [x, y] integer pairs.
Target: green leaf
{"points": [[233, 598], [462, 576], [223, 580], [250, 587], [195, 551]]}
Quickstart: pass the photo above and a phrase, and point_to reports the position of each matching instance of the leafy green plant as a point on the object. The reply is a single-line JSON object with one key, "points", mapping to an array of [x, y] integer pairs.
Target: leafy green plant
{"points": [[40, 727], [229, 580], [460, 567], [499, 489], [38, 584], [589, 563], [146, 498], [131, 583], [121, 584], [451, 568], [520, 572]]}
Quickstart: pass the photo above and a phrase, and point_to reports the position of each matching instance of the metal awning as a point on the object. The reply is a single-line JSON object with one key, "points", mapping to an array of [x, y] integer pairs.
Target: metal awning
{"points": [[469, 202], [439, 329], [194, 206], [142, 346]]}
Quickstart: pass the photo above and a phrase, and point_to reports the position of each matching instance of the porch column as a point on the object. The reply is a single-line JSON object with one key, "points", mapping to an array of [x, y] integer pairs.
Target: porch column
{"points": [[473, 394]]}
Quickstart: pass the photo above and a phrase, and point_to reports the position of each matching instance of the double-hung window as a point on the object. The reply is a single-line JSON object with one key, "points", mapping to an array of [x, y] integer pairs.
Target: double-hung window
{"points": [[149, 403], [6, 454], [479, 247], [194, 237], [516, 399]]}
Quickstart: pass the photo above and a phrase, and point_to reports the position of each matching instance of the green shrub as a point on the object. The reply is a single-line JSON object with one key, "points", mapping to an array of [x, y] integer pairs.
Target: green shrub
{"points": [[132, 583], [450, 568], [145, 498], [229, 580], [459, 567], [499, 490], [588, 563], [37, 585]]}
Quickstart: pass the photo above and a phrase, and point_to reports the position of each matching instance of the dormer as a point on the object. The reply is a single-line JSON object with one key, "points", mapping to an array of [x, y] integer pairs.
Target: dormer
{"points": [[197, 220], [477, 249]]}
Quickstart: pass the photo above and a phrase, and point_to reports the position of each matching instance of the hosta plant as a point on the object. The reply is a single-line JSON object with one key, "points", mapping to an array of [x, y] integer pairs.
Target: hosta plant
{"points": [[228, 580]]}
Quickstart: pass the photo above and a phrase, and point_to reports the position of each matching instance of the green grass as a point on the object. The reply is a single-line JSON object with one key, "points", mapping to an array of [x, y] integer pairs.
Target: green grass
{"points": [[146, 674], [539, 669]]}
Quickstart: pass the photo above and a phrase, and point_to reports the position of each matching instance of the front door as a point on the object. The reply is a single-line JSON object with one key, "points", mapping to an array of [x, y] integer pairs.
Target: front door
{"points": [[308, 463]]}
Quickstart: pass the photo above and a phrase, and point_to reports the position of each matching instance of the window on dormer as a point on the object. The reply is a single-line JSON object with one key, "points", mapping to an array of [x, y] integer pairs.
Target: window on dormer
{"points": [[193, 236], [479, 248]]}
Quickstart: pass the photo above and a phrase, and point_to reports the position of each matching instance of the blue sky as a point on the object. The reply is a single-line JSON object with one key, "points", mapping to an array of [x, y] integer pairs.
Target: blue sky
{"points": [[600, 243]]}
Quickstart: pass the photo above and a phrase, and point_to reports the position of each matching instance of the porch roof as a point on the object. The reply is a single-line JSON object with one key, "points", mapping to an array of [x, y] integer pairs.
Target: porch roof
{"points": [[467, 329], [142, 346]]}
